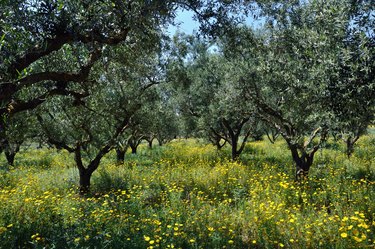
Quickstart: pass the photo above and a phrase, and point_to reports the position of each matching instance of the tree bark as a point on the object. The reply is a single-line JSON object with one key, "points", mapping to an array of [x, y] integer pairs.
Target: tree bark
{"points": [[134, 149], [233, 135], [10, 157], [234, 144], [120, 155], [10, 150], [303, 162], [86, 172], [350, 141], [150, 143], [84, 181], [219, 146]]}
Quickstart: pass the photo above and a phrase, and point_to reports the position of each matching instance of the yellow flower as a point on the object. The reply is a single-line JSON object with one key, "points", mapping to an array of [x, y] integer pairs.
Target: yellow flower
{"points": [[357, 239], [230, 241], [192, 240], [146, 238], [151, 242], [344, 235]]}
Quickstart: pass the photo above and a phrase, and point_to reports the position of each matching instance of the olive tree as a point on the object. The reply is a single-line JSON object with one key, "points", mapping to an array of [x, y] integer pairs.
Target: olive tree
{"points": [[91, 127], [290, 68], [34, 31], [208, 95]]}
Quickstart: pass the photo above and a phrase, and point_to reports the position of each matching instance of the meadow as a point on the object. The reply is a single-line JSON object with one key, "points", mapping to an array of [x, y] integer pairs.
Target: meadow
{"points": [[187, 194]]}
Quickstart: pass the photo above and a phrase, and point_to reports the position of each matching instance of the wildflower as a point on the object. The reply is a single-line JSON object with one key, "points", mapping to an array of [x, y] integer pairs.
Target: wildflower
{"points": [[357, 239], [230, 242], [34, 236], [344, 235], [192, 240], [146, 238]]}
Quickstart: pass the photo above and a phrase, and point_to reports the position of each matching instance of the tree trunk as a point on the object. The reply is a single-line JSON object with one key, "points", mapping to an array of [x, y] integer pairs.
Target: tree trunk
{"points": [[349, 148], [219, 146], [303, 162], [150, 144], [120, 155], [10, 157], [350, 141], [134, 149], [10, 152], [84, 181], [234, 145], [85, 173]]}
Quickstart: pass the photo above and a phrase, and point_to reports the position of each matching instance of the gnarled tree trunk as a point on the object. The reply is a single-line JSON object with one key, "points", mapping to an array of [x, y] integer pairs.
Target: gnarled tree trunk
{"points": [[134, 143], [85, 173], [303, 161], [233, 135], [234, 144], [10, 152], [84, 181], [134, 147], [350, 141], [120, 155]]}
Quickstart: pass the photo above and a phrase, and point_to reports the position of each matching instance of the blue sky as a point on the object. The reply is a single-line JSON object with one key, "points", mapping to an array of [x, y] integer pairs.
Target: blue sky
{"points": [[186, 24]]}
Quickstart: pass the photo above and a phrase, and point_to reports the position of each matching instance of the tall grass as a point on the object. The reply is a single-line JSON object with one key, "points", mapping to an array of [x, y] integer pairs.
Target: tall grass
{"points": [[188, 195]]}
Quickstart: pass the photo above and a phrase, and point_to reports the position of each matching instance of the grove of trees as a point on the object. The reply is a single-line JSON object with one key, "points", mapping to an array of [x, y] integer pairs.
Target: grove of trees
{"points": [[94, 76]]}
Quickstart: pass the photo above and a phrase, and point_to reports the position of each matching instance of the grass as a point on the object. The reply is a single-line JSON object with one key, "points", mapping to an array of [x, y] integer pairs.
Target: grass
{"points": [[188, 195]]}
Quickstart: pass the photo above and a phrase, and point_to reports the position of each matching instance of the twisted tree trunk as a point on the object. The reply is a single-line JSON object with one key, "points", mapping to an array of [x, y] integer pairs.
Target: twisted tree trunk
{"points": [[120, 155]]}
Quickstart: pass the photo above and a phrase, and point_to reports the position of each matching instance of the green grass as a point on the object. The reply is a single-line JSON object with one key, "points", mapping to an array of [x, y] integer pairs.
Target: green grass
{"points": [[188, 195]]}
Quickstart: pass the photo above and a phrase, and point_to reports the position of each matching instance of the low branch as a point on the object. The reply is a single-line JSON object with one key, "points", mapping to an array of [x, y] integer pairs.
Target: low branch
{"points": [[218, 134], [51, 140], [81, 76], [312, 136], [15, 106], [50, 45], [244, 141]]}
